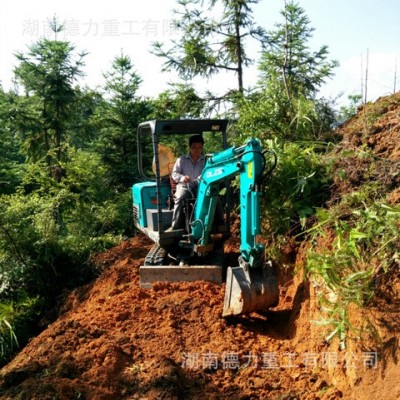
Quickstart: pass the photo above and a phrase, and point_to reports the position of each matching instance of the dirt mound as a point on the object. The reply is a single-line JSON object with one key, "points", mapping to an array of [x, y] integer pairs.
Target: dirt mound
{"points": [[369, 150], [375, 127], [114, 340]]}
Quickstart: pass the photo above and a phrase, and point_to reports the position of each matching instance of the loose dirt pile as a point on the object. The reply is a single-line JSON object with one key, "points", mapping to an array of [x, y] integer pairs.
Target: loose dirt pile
{"points": [[113, 340], [369, 149], [376, 126]]}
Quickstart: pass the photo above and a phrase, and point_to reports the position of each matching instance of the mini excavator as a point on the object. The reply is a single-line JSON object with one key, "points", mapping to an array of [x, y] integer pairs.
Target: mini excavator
{"points": [[197, 251]]}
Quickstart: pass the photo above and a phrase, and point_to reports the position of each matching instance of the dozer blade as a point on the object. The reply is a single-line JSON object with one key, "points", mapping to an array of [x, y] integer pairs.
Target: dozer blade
{"points": [[246, 291], [170, 273]]}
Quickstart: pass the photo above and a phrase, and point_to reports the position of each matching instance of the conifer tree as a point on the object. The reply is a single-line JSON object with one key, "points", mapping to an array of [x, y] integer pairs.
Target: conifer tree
{"points": [[117, 120], [213, 40], [286, 102], [288, 60], [47, 74]]}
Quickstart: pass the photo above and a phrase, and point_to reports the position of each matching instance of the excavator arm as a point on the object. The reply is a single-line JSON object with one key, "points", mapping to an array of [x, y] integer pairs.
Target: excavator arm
{"points": [[251, 286], [247, 163]]}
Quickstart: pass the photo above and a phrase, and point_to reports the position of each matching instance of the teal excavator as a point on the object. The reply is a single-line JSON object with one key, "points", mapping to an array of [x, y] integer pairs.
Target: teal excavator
{"points": [[196, 252]]}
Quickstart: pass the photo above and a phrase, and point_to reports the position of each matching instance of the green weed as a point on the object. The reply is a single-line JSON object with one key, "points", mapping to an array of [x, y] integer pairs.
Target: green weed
{"points": [[8, 339], [352, 243], [17, 320]]}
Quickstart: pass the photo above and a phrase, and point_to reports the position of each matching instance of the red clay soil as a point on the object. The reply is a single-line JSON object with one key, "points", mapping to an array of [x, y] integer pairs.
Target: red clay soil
{"points": [[369, 149], [376, 127], [113, 340]]}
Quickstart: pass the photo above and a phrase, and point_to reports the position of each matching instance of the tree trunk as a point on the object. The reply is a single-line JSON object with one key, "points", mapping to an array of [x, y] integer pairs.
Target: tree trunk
{"points": [[239, 51], [286, 59]]}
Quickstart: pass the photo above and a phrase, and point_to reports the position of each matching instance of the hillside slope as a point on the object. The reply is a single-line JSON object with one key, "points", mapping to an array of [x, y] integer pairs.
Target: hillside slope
{"points": [[113, 340]]}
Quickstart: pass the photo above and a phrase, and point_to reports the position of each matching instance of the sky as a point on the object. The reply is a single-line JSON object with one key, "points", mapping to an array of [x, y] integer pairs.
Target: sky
{"points": [[362, 35]]}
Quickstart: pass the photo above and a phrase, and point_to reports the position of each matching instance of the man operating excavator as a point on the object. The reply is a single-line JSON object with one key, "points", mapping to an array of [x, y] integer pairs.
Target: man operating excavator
{"points": [[186, 173]]}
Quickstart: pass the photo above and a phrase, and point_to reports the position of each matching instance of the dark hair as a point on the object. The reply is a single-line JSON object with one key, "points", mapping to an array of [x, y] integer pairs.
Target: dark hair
{"points": [[196, 139]]}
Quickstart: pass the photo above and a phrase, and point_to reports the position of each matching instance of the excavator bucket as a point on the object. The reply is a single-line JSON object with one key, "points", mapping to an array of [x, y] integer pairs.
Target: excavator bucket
{"points": [[254, 289]]}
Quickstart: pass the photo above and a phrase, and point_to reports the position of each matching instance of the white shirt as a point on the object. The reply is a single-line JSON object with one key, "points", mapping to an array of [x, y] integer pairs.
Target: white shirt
{"points": [[184, 165]]}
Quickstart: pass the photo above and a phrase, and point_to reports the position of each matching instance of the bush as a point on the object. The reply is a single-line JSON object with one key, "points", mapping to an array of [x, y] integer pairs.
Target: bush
{"points": [[299, 184], [49, 230]]}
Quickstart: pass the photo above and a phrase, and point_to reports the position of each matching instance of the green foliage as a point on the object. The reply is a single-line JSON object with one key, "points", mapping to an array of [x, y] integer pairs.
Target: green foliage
{"points": [[10, 159], [214, 35], [117, 119], [47, 73], [8, 340], [179, 102], [17, 318], [269, 113], [288, 60], [49, 230], [299, 184], [350, 110], [285, 103], [82, 129], [353, 243], [96, 208]]}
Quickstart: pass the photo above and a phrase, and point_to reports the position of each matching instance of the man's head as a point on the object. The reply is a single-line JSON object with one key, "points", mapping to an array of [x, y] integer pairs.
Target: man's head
{"points": [[196, 139], [196, 143]]}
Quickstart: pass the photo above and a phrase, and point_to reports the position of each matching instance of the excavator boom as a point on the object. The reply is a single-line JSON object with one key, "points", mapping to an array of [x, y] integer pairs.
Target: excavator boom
{"points": [[251, 286]]}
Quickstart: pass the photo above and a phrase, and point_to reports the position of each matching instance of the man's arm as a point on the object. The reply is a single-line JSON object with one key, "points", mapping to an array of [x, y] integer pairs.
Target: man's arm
{"points": [[178, 174]]}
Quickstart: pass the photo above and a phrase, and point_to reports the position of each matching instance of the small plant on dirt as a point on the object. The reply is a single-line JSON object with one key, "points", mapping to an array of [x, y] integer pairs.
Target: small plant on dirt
{"points": [[350, 110]]}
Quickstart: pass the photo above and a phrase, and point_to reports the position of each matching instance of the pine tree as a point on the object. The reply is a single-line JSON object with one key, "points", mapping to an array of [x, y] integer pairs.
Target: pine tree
{"points": [[117, 120], [47, 73], [212, 42], [285, 103], [288, 60]]}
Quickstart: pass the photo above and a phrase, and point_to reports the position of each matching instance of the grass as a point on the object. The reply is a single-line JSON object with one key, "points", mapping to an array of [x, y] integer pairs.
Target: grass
{"points": [[17, 321], [8, 339]]}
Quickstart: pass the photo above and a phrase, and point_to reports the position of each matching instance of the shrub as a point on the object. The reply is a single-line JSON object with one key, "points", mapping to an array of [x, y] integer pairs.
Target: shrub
{"points": [[362, 243], [299, 184]]}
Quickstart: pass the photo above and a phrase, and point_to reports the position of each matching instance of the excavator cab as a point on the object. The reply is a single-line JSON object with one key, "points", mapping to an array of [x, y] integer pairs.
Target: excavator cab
{"points": [[196, 253], [172, 258]]}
